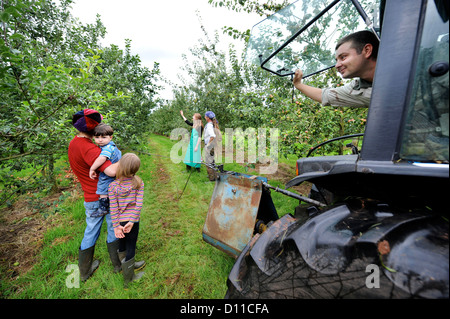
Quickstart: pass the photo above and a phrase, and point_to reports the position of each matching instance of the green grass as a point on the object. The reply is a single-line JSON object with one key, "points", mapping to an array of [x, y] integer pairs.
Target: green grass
{"points": [[179, 263]]}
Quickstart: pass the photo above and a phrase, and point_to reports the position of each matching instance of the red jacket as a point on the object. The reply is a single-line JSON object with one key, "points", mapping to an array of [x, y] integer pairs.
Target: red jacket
{"points": [[82, 154]]}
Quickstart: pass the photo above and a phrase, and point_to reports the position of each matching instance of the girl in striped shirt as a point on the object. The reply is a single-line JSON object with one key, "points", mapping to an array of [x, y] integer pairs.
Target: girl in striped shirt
{"points": [[126, 197]]}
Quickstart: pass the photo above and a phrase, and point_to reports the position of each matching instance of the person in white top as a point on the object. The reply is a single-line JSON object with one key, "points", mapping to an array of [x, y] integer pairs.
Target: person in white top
{"points": [[210, 138]]}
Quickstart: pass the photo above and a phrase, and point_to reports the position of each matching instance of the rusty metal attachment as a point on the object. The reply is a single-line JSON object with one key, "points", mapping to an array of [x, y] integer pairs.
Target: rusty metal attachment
{"points": [[237, 203]]}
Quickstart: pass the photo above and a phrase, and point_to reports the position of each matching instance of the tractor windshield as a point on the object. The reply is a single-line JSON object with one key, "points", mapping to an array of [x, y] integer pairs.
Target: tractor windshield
{"points": [[304, 34]]}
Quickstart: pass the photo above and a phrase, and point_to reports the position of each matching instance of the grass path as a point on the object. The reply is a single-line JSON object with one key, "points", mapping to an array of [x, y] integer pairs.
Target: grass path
{"points": [[184, 265], [179, 263]]}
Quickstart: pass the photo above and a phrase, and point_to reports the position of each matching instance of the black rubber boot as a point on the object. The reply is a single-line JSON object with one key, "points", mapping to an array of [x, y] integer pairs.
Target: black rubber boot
{"points": [[128, 272], [113, 250], [86, 263], [138, 265]]}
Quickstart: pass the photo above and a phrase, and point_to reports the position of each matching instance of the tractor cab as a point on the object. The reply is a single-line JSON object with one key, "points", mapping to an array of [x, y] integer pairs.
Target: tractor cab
{"points": [[407, 132]]}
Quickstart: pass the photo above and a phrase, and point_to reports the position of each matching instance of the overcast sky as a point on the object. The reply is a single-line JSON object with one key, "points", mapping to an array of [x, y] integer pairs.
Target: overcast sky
{"points": [[161, 31]]}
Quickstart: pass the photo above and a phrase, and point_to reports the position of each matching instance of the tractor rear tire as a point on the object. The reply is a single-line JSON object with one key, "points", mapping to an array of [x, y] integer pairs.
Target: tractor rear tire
{"points": [[294, 279], [414, 266]]}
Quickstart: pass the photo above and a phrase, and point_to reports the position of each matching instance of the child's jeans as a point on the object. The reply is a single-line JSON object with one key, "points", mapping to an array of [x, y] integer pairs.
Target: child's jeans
{"points": [[103, 183]]}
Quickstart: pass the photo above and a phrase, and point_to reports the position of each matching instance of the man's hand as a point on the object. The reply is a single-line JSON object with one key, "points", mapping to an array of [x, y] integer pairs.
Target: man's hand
{"points": [[298, 76], [310, 91]]}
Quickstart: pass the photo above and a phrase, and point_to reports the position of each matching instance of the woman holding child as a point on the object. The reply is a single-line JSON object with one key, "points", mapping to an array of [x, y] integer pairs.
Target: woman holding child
{"points": [[82, 154]]}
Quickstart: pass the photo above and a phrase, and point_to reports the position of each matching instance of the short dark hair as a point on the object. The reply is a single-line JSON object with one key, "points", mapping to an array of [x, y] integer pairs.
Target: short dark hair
{"points": [[103, 130], [359, 40]]}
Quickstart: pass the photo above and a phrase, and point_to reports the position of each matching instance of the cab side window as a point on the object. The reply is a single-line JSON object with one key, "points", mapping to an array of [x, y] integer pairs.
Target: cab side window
{"points": [[426, 130]]}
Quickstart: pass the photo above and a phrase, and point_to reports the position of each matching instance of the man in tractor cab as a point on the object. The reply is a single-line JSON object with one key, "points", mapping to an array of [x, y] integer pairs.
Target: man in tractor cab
{"points": [[356, 58]]}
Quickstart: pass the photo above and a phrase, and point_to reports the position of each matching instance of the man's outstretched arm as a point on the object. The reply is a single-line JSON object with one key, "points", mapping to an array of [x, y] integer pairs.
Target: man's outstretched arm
{"points": [[310, 91]]}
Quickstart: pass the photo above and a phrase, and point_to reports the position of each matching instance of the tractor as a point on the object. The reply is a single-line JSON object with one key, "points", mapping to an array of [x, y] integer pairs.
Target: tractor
{"points": [[375, 223]]}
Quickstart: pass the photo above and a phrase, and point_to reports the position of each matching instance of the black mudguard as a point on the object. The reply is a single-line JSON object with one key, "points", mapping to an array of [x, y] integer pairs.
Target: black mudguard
{"points": [[411, 248]]}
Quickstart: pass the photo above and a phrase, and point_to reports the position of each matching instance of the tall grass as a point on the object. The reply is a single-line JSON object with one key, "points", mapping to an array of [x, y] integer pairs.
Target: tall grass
{"points": [[179, 263]]}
